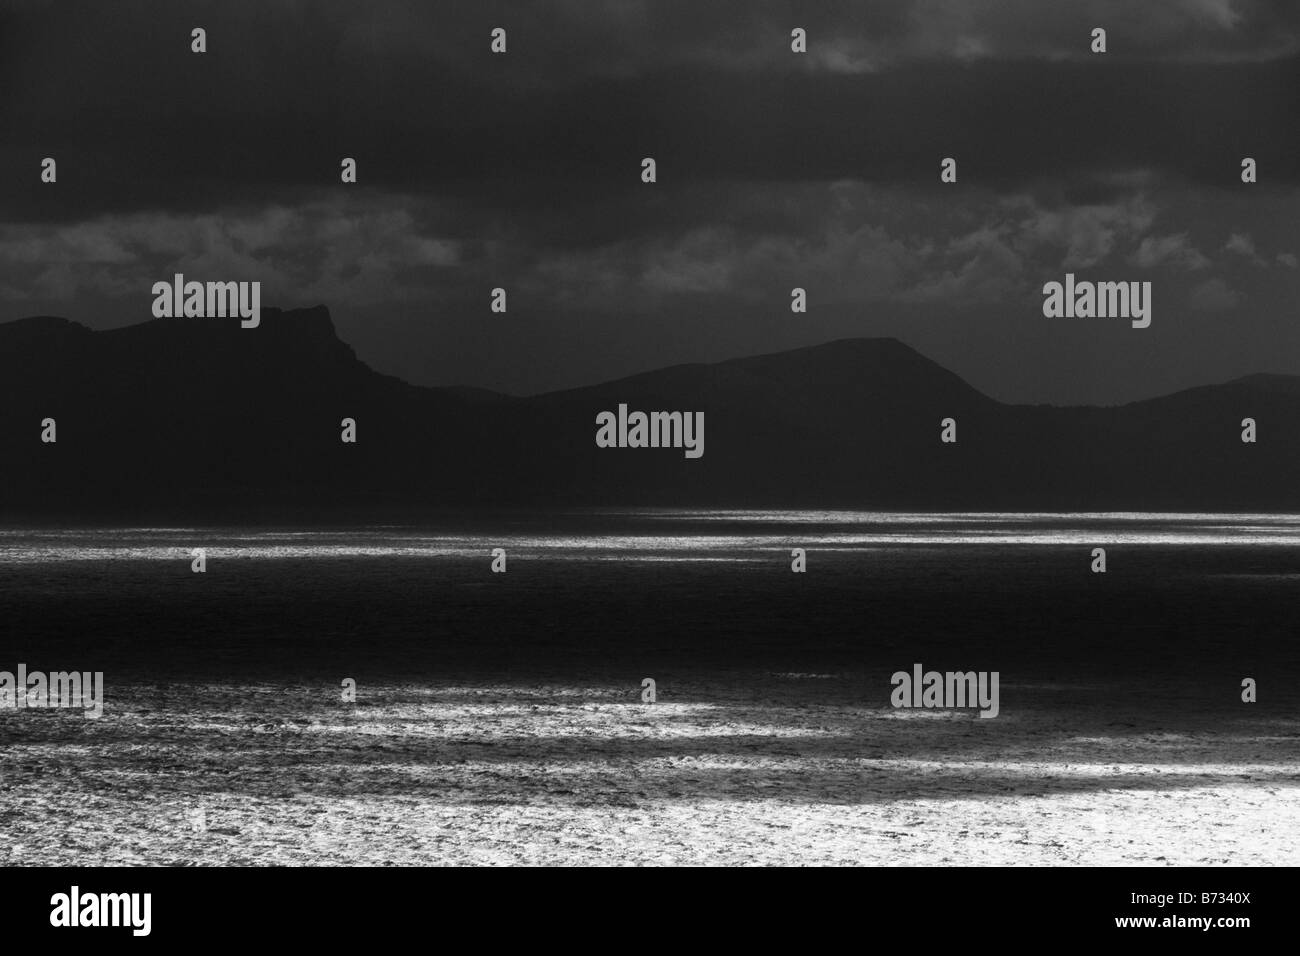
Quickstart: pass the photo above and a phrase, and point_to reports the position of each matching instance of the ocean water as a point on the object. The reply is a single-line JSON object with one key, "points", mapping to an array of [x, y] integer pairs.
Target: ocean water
{"points": [[499, 719], [1198, 598], [658, 535]]}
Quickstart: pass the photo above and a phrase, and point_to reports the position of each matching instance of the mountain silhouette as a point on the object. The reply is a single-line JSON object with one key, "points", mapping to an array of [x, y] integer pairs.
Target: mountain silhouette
{"points": [[198, 419]]}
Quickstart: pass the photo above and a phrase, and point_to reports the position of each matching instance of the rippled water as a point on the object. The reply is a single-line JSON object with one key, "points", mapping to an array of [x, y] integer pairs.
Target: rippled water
{"points": [[713, 536]]}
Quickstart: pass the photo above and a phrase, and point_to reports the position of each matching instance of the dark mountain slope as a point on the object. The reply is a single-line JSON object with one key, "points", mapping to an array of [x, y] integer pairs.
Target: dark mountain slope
{"points": [[188, 419]]}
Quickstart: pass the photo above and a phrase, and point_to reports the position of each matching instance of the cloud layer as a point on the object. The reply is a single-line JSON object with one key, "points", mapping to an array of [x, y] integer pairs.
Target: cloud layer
{"points": [[776, 170]]}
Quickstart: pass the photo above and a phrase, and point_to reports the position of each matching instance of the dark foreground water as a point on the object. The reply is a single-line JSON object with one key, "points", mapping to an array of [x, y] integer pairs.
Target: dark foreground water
{"points": [[1195, 602]]}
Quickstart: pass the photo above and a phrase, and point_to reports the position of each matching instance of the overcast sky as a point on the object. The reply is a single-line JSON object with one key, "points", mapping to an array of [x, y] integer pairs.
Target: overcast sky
{"points": [[775, 170]]}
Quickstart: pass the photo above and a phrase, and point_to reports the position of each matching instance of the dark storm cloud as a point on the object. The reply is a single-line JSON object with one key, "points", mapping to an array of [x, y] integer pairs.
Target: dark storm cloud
{"points": [[710, 89], [774, 170]]}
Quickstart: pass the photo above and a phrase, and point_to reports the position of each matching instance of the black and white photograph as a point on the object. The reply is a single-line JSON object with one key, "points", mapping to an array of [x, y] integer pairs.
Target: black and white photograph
{"points": [[650, 433]]}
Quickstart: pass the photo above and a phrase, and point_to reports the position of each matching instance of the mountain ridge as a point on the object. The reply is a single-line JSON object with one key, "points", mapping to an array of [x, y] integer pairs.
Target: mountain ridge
{"points": [[191, 417], [321, 322]]}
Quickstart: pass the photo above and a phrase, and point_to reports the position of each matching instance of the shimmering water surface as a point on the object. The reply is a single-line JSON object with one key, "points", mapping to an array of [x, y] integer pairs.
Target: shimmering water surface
{"points": [[660, 535], [499, 719], [1209, 597]]}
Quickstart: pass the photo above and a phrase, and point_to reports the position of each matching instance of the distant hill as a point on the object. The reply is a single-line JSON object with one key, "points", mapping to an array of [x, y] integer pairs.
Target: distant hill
{"points": [[197, 419]]}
